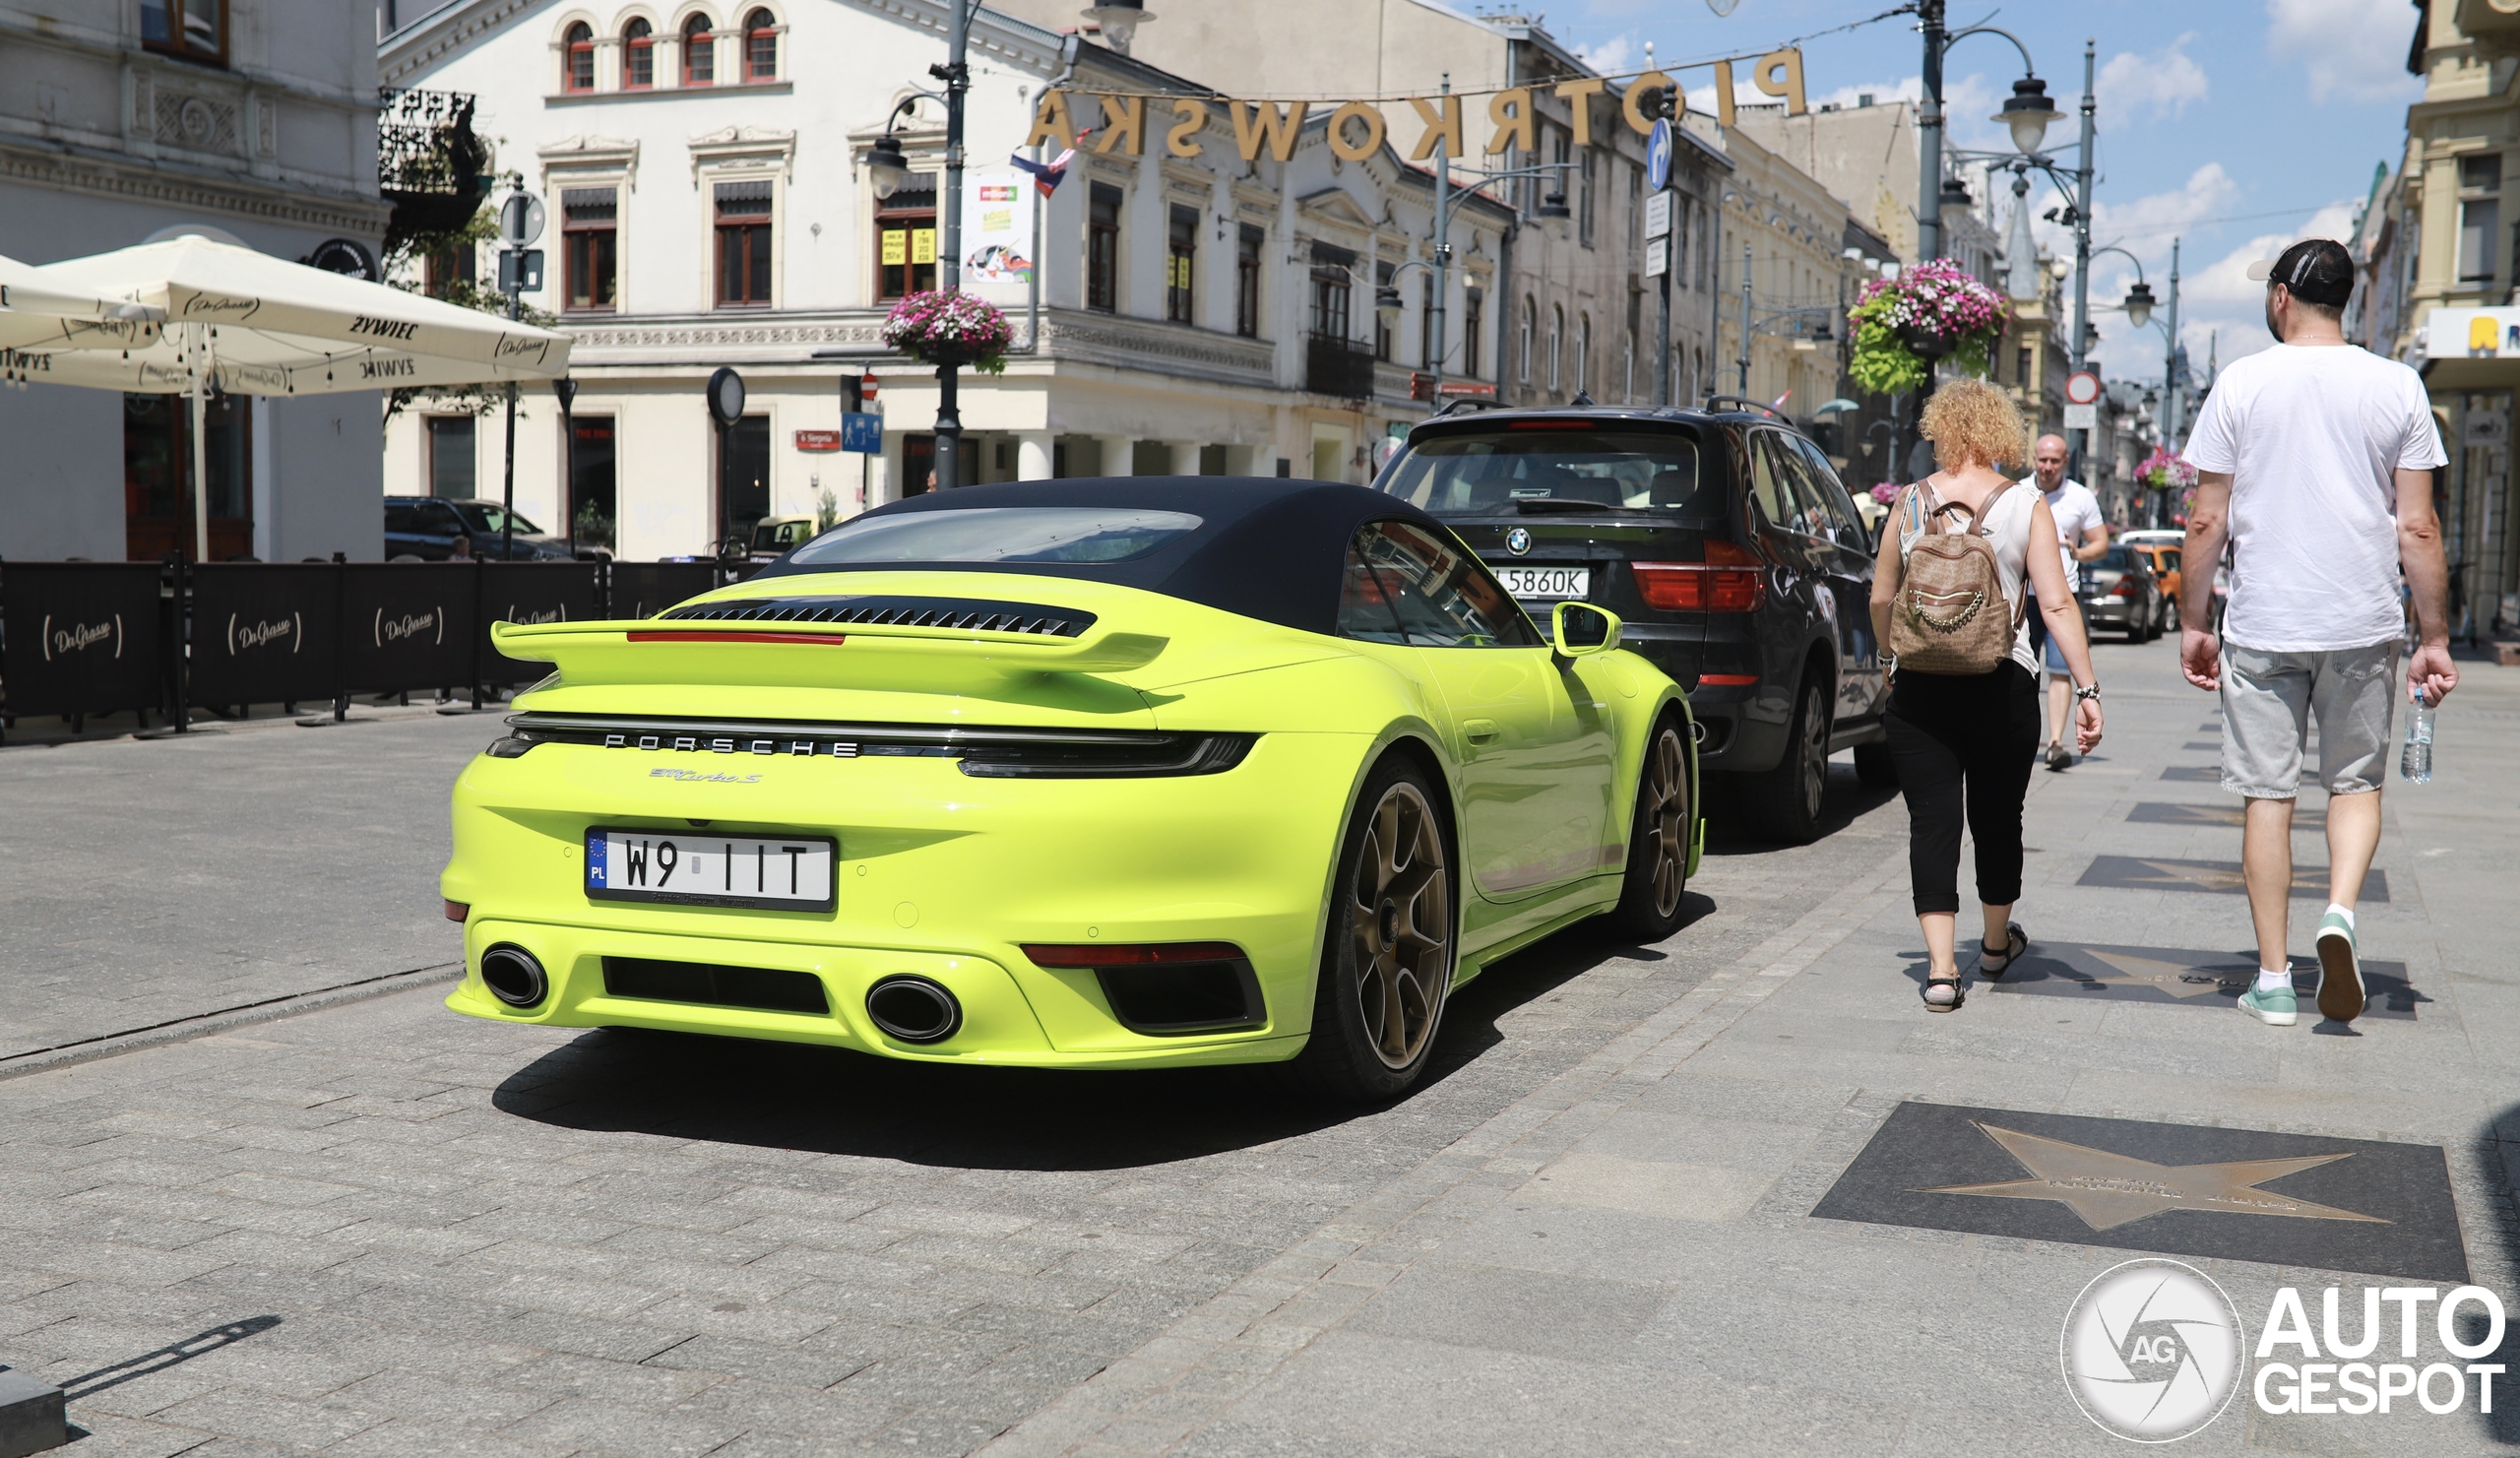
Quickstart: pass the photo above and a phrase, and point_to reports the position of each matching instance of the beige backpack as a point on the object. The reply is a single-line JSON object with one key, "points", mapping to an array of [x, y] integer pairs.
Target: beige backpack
{"points": [[1949, 615]]}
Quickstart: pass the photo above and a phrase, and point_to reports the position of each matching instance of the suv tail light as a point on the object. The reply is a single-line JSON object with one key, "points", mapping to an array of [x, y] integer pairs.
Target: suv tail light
{"points": [[1730, 580]]}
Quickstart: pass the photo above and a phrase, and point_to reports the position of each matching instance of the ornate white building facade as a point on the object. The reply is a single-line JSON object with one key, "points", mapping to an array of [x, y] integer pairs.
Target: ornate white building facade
{"points": [[704, 166]]}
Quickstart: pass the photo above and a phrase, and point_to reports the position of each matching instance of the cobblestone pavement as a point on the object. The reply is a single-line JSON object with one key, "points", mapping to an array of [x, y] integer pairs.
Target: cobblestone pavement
{"points": [[385, 1229], [144, 881]]}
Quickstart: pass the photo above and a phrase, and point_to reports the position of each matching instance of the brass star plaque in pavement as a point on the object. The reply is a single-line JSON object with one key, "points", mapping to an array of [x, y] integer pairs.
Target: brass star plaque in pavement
{"points": [[2361, 1205], [2222, 878], [2183, 977], [2109, 1190]]}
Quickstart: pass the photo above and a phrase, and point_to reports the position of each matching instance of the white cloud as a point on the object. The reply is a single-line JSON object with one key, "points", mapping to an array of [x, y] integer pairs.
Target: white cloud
{"points": [[2145, 226], [2164, 82], [2351, 48], [2222, 309], [1612, 56]]}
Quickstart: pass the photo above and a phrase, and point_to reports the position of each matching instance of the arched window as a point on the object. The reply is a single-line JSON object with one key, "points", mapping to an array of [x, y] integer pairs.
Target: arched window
{"points": [[761, 47], [1531, 326], [1583, 354], [1556, 333], [638, 56], [576, 45], [699, 52]]}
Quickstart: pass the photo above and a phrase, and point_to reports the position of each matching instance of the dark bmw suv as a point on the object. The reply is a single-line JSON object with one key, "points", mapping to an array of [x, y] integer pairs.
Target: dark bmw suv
{"points": [[1721, 537]]}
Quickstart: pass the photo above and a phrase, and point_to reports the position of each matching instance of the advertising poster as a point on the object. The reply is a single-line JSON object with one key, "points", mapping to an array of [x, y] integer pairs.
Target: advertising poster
{"points": [[998, 237]]}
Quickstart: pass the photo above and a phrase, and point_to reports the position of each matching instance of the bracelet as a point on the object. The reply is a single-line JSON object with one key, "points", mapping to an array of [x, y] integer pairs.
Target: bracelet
{"points": [[2091, 692]]}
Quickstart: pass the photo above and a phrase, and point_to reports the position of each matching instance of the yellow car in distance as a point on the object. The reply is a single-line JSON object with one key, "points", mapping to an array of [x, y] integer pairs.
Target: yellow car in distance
{"points": [[1088, 774]]}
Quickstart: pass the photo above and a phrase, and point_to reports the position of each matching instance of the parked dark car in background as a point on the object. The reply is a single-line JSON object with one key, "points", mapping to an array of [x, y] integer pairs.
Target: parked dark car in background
{"points": [[427, 526], [2121, 594], [1724, 541]]}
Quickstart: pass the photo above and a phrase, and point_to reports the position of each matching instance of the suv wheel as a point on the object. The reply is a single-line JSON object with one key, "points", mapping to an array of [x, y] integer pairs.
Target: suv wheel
{"points": [[1783, 803]]}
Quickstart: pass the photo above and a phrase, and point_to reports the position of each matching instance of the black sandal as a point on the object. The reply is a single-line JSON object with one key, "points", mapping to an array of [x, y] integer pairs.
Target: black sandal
{"points": [[1959, 993], [1992, 965]]}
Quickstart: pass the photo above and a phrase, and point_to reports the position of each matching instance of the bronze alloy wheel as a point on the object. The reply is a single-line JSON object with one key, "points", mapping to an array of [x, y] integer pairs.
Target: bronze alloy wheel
{"points": [[1664, 819], [1400, 917]]}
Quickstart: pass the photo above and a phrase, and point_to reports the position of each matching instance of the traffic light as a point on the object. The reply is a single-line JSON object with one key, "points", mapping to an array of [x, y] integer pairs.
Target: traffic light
{"points": [[1666, 101]]}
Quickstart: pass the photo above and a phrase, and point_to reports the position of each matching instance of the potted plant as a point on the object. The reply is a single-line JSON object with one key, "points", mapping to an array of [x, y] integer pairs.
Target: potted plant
{"points": [[1932, 311], [946, 328]]}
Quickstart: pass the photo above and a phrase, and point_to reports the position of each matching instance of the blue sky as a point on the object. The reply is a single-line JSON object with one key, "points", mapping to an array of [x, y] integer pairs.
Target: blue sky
{"points": [[2237, 125]]}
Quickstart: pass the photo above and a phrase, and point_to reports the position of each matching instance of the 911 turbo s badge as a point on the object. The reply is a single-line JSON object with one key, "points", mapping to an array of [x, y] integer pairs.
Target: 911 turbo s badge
{"points": [[705, 777], [1518, 540]]}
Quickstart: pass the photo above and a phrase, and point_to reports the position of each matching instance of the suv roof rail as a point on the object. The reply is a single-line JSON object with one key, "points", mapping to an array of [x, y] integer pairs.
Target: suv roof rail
{"points": [[1472, 402], [1771, 412]]}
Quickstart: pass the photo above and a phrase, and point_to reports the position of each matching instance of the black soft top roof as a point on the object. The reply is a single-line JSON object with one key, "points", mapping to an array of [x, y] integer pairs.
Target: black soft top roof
{"points": [[1267, 549]]}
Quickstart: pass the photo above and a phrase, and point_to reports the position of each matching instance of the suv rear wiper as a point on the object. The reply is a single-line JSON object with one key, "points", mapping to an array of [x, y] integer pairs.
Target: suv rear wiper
{"points": [[1541, 505]]}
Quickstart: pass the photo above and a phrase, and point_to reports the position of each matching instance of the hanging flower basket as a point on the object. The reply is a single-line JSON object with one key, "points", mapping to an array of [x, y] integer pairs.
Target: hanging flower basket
{"points": [[950, 329], [1932, 311], [2164, 471]]}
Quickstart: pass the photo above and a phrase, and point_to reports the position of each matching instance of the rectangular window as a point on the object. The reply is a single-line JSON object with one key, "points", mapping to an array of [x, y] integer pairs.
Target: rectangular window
{"points": [[743, 245], [1246, 282], [906, 227], [587, 234], [1473, 320], [1179, 252], [746, 479], [2480, 173], [2022, 372], [442, 268], [699, 52], [157, 464], [197, 28], [2477, 223], [592, 486], [1584, 200], [1103, 249], [1331, 288], [1382, 322], [450, 456]]}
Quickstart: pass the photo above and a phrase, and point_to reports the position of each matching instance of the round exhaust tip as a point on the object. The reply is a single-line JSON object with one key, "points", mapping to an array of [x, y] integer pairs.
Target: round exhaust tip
{"points": [[514, 976], [913, 1009]]}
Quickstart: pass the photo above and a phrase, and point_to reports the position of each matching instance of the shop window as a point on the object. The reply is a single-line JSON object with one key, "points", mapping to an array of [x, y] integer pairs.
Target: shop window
{"points": [[638, 56], [906, 240], [761, 47], [452, 466], [589, 256], [699, 52], [577, 50], [743, 245], [593, 488], [194, 28], [1181, 249], [1103, 249], [746, 475], [156, 466], [1247, 281]]}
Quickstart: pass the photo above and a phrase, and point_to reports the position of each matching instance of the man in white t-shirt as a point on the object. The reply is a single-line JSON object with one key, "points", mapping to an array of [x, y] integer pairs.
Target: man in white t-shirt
{"points": [[2316, 465], [2081, 537]]}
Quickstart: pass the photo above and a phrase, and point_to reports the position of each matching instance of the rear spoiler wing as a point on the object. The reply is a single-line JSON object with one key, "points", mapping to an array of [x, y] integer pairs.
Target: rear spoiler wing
{"points": [[710, 650]]}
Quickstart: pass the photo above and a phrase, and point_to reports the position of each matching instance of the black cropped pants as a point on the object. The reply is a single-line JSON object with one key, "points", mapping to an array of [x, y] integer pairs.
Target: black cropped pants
{"points": [[1964, 741]]}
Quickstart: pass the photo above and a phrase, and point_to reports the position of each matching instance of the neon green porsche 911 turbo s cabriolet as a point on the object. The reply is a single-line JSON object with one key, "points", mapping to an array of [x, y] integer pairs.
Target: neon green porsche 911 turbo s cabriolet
{"points": [[1086, 774]]}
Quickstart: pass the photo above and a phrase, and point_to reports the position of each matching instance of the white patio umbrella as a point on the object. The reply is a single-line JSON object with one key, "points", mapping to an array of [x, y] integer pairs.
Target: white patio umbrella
{"points": [[251, 324], [37, 313]]}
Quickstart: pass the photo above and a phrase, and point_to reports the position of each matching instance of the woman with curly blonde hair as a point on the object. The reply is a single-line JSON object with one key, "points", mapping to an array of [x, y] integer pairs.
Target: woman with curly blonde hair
{"points": [[1969, 740]]}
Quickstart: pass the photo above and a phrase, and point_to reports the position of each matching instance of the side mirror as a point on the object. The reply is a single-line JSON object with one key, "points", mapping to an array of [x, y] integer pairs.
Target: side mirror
{"points": [[1590, 630]]}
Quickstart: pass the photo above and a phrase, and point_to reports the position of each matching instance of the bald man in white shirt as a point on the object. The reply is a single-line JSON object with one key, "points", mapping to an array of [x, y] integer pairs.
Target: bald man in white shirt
{"points": [[2082, 535]]}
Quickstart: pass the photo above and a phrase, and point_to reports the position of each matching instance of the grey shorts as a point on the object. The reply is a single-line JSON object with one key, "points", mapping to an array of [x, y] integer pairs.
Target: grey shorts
{"points": [[2269, 700]]}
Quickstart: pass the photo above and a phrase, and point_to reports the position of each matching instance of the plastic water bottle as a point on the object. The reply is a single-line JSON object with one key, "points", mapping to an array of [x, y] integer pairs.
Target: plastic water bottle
{"points": [[2415, 765]]}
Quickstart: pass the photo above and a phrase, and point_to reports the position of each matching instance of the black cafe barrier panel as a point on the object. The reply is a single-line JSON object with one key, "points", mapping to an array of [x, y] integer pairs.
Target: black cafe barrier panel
{"points": [[80, 638]]}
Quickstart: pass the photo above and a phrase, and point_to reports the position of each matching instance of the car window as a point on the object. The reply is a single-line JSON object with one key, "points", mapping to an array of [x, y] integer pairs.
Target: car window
{"points": [[1550, 459], [1832, 493], [1788, 499], [486, 520], [403, 519], [2118, 557], [439, 518], [1405, 585], [1001, 534], [2165, 558]]}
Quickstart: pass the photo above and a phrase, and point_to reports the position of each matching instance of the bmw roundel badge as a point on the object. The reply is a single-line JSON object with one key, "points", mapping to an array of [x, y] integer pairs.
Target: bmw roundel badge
{"points": [[1518, 540]]}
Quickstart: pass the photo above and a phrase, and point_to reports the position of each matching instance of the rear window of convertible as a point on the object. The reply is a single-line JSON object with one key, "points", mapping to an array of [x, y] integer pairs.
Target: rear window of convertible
{"points": [[1000, 533]]}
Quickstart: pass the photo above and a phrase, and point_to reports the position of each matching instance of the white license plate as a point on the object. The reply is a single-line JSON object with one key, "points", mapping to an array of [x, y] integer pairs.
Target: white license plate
{"points": [[789, 873], [1548, 584]]}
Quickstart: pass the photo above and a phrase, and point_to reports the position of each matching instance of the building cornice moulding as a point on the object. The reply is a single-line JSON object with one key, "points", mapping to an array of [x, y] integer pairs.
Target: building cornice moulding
{"points": [[137, 181]]}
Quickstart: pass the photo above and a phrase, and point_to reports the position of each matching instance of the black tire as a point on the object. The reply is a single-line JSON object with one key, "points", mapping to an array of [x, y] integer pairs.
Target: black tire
{"points": [[1783, 803], [1658, 837], [2170, 615], [1874, 765], [1387, 958]]}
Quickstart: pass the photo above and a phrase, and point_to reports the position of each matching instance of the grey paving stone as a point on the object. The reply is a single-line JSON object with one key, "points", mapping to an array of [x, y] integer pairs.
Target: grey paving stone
{"points": [[577, 1422]]}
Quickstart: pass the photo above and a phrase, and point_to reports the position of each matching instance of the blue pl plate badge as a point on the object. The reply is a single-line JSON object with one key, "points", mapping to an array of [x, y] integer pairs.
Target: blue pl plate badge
{"points": [[594, 858]]}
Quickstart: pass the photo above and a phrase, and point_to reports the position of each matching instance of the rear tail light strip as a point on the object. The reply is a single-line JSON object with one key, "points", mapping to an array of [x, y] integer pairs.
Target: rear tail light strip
{"points": [[985, 753], [1700, 587]]}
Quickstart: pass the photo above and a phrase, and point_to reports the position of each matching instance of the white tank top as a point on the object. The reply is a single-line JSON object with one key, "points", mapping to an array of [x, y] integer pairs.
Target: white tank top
{"points": [[2008, 532]]}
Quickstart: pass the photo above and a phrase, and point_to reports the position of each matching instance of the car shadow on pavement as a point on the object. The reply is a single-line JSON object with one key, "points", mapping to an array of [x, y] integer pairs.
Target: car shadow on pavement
{"points": [[1845, 800], [834, 1101]]}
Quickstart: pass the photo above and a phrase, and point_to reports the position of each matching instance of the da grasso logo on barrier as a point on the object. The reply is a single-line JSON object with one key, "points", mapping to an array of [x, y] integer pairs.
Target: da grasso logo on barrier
{"points": [[2154, 1351]]}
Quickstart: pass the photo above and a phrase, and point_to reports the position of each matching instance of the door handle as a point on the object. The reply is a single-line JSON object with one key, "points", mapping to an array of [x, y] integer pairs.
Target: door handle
{"points": [[1481, 730]]}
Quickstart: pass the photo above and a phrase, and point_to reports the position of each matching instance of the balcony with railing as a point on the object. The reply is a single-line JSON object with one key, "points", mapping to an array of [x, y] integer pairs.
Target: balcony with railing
{"points": [[429, 163], [1342, 368]]}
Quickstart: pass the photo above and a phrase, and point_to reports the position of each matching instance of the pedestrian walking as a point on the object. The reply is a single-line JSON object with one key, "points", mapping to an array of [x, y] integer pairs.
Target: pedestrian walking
{"points": [[2315, 463], [1960, 555], [2082, 535]]}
